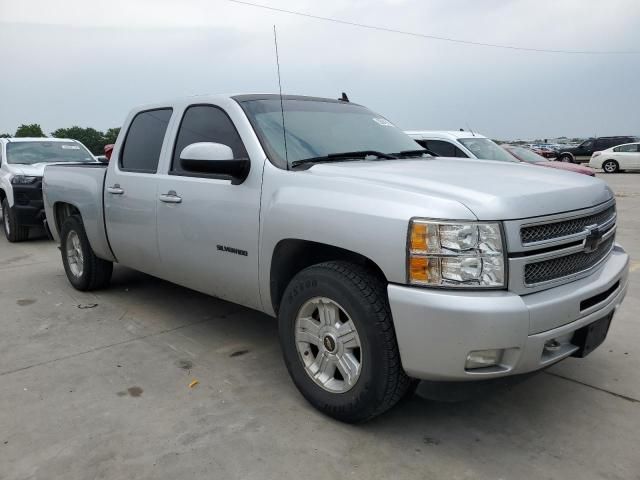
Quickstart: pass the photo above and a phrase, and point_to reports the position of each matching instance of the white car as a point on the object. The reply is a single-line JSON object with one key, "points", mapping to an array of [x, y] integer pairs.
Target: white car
{"points": [[460, 144], [22, 162], [620, 157]]}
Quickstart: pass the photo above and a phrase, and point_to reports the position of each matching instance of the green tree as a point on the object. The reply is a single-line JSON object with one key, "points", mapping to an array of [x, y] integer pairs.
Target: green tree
{"points": [[5, 135], [111, 135], [30, 130], [89, 137]]}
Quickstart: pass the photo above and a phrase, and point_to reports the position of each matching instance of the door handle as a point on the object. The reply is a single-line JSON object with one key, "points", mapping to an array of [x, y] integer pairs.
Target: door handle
{"points": [[115, 189], [170, 197]]}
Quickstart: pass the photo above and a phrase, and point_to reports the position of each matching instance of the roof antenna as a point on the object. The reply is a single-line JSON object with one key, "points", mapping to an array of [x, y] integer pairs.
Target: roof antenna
{"points": [[284, 131], [344, 98], [469, 128]]}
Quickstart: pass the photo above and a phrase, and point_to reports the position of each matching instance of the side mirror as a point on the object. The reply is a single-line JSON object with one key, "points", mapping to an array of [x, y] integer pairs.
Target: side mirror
{"points": [[214, 159]]}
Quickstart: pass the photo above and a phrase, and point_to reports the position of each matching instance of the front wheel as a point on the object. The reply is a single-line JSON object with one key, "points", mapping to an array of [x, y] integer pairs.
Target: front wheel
{"points": [[566, 158], [12, 230], [339, 343], [84, 269], [610, 166]]}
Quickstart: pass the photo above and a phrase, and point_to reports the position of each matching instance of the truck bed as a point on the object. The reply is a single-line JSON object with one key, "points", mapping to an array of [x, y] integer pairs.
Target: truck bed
{"points": [[82, 186]]}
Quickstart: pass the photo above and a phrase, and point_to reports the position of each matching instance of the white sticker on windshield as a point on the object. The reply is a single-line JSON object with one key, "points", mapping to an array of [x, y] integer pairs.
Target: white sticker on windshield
{"points": [[383, 121], [70, 147]]}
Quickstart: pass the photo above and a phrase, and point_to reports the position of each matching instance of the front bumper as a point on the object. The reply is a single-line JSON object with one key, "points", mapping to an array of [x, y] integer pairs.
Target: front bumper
{"points": [[28, 206], [436, 329]]}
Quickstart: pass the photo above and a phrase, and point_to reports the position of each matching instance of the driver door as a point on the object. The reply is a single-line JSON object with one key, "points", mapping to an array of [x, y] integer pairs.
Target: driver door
{"points": [[208, 228]]}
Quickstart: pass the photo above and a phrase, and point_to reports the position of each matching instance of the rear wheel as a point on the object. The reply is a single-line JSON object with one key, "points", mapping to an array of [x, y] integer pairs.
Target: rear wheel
{"points": [[12, 230], [610, 166], [339, 343], [84, 269]]}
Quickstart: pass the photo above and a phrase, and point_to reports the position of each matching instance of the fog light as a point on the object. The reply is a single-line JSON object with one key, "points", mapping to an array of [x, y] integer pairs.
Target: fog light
{"points": [[483, 358]]}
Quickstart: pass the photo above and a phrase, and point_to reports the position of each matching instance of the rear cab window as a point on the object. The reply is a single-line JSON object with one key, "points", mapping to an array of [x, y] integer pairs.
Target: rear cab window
{"points": [[143, 143]]}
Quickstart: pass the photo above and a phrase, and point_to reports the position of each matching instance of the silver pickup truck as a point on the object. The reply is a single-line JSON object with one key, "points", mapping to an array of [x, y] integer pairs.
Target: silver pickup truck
{"points": [[383, 264]]}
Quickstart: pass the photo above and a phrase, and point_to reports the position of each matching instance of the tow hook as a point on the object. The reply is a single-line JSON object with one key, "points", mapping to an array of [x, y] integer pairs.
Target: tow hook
{"points": [[552, 345]]}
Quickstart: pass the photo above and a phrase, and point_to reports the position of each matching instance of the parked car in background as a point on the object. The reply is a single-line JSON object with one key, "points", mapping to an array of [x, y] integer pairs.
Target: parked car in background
{"points": [[546, 152], [108, 150], [382, 264], [582, 153], [23, 161], [529, 156], [459, 144], [615, 159]]}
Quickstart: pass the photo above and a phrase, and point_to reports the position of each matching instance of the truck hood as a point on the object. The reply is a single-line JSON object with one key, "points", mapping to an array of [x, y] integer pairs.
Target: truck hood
{"points": [[35, 169], [492, 190]]}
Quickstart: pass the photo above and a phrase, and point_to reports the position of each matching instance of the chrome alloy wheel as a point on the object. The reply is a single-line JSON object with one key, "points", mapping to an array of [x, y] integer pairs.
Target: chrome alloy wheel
{"points": [[74, 254], [609, 167], [328, 344]]}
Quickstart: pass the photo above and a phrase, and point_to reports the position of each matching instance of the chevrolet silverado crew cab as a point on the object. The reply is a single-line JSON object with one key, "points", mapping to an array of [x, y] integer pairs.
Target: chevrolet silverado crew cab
{"points": [[22, 162], [383, 265]]}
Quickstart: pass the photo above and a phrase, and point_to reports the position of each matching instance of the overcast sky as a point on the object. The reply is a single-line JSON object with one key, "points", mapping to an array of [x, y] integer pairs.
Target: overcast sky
{"points": [[87, 62]]}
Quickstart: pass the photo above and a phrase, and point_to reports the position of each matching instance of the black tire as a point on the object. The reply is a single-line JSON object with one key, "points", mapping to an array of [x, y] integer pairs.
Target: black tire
{"points": [[96, 272], [566, 158], [12, 230], [382, 382], [610, 166]]}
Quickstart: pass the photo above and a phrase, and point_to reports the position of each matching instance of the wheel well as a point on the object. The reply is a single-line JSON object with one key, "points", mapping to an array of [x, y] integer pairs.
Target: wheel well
{"points": [[62, 211], [292, 256]]}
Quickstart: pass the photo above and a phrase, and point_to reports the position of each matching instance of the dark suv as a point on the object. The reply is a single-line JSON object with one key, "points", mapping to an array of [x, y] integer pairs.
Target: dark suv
{"points": [[583, 152]]}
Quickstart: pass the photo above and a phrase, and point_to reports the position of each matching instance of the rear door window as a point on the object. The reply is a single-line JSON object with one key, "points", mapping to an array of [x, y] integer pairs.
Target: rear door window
{"points": [[627, 148], [143, 143], [206, 123], [442, 148]]}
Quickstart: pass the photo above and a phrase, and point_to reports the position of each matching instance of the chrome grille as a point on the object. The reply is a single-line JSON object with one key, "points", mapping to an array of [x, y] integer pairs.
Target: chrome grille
{"points": [[550, 231], [559, 267]]}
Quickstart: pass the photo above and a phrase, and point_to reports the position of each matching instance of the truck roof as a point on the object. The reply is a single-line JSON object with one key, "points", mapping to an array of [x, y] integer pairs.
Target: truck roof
{"points": [[238, 97], [444, 134]]}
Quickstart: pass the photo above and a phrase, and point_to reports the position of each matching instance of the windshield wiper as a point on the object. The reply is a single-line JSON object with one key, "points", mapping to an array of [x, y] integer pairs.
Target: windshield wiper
{"points": [[414, 153], [344, 156]]}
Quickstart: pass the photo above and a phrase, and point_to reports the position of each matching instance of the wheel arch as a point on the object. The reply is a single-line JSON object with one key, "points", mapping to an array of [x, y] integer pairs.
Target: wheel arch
{"points": [[62, 211], [94, 226], [567, 154], [292, 255]]}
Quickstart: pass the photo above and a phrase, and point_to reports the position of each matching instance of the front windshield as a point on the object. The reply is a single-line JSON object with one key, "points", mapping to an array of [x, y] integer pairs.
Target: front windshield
{"points": [[317, 128], [28, 153], [486, 149], [527, 155]]}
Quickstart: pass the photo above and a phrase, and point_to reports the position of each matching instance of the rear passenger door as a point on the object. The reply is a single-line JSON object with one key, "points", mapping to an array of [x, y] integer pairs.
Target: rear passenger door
{"points": [[131, 190], [208, 232]]}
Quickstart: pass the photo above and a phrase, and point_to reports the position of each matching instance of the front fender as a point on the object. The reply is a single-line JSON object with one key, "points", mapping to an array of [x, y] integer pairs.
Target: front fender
{"points": [[351, 214], [7, 188]]}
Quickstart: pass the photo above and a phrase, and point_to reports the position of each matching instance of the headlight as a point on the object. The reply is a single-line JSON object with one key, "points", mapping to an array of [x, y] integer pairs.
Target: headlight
{"points": [[455, 254], [23, 180]]}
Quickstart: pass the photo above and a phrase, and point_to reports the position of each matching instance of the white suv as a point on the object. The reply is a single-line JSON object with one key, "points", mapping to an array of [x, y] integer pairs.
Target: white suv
{"points": [[22, 162], [460, 144]]}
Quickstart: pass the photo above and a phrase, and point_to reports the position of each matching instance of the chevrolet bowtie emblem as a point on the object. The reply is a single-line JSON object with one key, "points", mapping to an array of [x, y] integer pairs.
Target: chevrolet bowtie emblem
{"points": [[594, 237]]}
